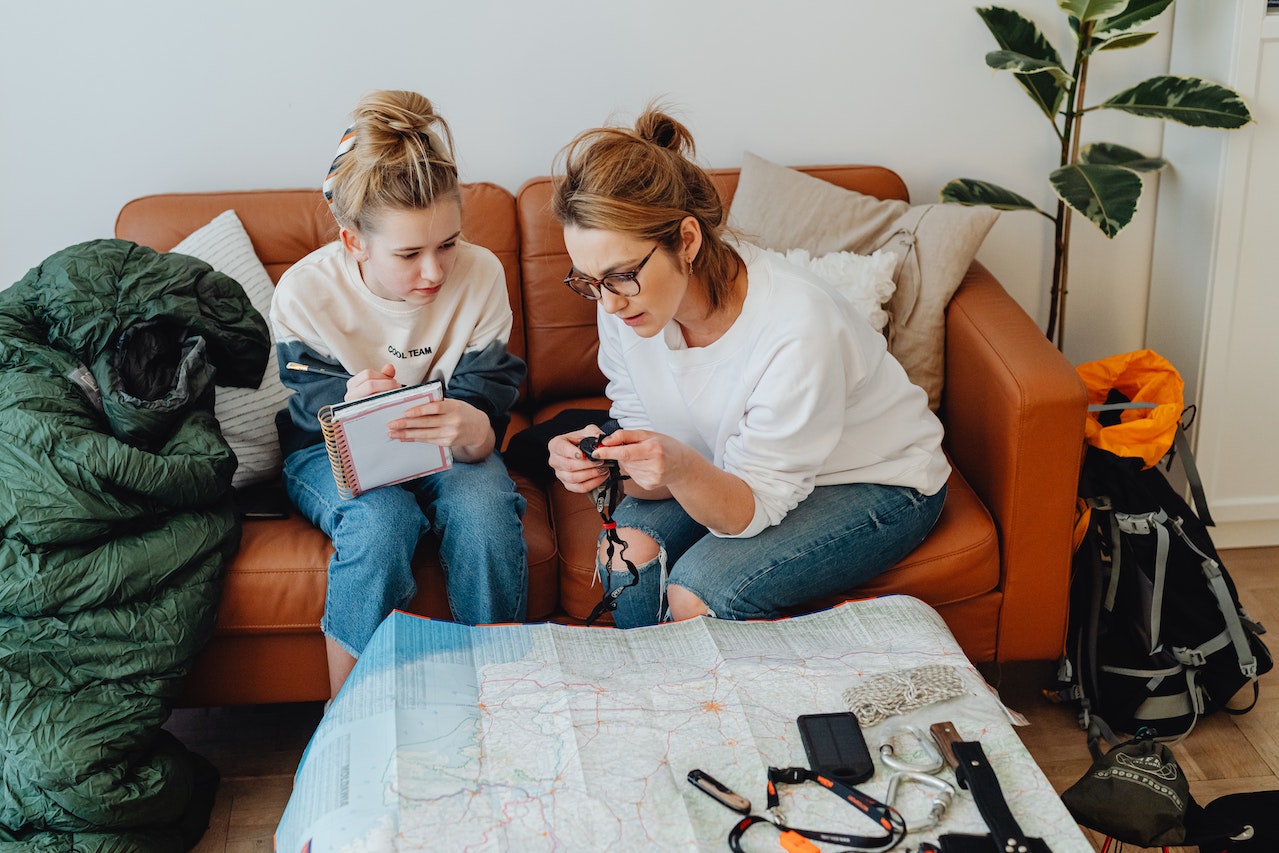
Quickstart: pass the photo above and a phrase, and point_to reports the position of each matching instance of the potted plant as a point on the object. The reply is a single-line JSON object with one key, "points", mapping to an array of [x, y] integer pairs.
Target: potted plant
{"points": [[1101, 180]]}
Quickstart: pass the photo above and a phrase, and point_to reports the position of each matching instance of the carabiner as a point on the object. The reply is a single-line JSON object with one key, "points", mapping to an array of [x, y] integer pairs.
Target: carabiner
{"points": [[945, 793], [932, 758]]}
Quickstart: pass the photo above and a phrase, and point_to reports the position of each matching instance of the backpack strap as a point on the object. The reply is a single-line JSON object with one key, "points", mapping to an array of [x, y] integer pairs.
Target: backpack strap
{"points": [[1226, 604], [1182, 444], [1144, 524]]}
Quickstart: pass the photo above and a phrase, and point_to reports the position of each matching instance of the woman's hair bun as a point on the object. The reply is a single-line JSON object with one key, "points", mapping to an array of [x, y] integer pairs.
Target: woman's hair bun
{"points": [[657, 127]]}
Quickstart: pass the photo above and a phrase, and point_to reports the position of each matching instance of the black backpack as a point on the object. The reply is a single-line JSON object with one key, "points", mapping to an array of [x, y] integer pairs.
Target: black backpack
{"points": [[1156, 634]]}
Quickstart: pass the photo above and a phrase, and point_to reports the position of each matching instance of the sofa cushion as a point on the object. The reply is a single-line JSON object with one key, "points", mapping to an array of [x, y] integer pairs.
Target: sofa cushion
{"points": [[780, 209], [246, 415], [285, 225]]}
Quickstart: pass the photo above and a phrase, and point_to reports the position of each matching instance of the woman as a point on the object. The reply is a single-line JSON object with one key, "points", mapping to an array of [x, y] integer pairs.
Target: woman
{"points": [[775, 451], [401, 298]]}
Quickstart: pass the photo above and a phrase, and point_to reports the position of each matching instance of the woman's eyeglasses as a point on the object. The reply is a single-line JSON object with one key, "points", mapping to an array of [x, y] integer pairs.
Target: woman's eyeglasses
{"points": [[621, 283]]}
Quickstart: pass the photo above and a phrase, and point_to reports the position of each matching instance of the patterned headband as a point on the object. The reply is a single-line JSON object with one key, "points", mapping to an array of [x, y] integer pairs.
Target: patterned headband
{"points": [[433, 142], [344, 148]]}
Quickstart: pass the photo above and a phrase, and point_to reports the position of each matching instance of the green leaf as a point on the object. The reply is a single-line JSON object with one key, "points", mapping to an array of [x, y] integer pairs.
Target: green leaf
{"points": [[1014, 32], [971, 192], [1120, 41], [1186, 100], [1137, 13], [1109, 154], [1019, 63], [1091, 10], [1106, 195]]}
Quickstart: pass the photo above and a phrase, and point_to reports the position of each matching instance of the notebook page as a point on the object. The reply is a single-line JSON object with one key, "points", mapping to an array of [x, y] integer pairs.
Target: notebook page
{"points": [[379, 459]]}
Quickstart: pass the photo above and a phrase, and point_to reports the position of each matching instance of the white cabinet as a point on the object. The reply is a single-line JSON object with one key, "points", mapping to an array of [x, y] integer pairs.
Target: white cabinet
{"points": [[1214, 295]]}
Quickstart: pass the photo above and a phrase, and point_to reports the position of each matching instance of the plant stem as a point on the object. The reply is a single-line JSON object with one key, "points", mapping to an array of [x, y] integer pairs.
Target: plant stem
{"points": [[1069, 155], [1076, 133], [1059, 252]]}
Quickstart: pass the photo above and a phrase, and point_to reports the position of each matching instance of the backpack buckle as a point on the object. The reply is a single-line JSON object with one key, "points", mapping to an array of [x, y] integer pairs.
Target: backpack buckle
{"points": [[1140, 524], [1189, 657]]}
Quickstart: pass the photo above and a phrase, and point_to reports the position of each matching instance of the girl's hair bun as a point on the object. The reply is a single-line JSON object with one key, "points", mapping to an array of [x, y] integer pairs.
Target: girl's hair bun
{"points": [[397, 155]]}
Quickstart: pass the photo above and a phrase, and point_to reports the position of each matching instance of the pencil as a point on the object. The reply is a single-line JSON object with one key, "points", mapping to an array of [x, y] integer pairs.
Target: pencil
{"points": [[324, 371]]}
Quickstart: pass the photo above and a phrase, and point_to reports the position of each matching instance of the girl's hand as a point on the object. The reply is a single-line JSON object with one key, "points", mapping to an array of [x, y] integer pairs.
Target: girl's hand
{"points": [[577, 471], [450, 423], [366, 383]]}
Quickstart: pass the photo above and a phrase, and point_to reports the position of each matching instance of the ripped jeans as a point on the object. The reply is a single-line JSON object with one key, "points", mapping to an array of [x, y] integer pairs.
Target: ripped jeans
{"points": [[838, 537]]}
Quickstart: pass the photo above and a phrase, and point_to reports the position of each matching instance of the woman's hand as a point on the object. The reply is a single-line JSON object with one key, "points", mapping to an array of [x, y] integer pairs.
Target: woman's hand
{"points": [[653, 461], [577, 471], [662, 467]]}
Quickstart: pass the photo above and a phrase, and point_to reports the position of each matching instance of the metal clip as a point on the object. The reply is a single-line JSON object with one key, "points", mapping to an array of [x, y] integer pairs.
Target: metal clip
{"points": [[932, 758], [602, 495], [945, 793]]}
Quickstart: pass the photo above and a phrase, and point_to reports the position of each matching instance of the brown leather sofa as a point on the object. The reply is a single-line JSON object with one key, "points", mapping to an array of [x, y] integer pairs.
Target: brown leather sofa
{"points": [[996, 567]]}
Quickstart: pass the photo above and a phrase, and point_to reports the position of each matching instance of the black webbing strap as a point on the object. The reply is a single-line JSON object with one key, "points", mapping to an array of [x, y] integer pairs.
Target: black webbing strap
{"points": [[973, 771], [606, 497], [886, 816]]}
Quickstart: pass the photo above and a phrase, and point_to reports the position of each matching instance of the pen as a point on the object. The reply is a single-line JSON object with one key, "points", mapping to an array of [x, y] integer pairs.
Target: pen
{"points": [[324, 371]]}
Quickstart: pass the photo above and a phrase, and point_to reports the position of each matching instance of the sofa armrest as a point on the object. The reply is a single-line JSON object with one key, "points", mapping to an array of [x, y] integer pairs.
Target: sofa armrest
{"points": [[1014, 411]]}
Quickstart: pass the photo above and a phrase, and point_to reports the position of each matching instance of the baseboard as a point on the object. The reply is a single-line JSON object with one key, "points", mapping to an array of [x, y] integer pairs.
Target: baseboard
{"points": [[1245, 534]]}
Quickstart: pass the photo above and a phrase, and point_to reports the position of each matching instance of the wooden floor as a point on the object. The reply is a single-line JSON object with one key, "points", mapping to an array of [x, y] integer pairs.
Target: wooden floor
{"points": [[257, 748]]}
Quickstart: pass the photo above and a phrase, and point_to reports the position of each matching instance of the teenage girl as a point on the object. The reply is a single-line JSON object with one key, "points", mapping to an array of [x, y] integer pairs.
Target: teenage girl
{"points": [[401, 298]]}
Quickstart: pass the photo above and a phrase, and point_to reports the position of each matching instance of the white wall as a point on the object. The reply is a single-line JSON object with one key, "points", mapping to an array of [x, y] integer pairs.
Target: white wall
{"points": [[103, 102]]}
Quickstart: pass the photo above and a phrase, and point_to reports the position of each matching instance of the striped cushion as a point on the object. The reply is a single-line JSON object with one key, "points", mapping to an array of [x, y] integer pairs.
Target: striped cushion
{"points": [[247, 415]]}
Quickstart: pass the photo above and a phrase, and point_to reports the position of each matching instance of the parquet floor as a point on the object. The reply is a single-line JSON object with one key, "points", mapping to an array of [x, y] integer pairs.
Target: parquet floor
{"points": [[257, 748]]}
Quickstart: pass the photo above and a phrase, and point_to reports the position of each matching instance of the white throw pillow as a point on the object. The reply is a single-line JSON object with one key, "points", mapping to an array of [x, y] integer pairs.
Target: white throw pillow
{"points": [[247, 415], [864, 280]]}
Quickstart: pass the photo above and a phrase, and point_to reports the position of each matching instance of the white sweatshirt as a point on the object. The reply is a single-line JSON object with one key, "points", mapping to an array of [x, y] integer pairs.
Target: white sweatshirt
{"points": [[799, 392]]}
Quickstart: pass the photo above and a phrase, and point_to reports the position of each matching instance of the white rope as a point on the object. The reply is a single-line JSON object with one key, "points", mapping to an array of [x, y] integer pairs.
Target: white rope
{"points": [[881, 696]]}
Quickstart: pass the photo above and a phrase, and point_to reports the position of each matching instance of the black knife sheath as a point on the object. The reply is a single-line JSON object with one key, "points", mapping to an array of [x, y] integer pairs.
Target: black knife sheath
{"points": [[974, 772]]}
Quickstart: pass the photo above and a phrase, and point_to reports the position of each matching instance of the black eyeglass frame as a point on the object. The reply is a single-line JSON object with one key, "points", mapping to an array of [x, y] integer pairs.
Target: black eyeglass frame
{"points": [[595, 287]]}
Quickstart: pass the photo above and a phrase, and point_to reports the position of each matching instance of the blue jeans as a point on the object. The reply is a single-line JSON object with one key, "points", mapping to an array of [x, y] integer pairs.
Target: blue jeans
{"points": [[838, 537], [474, 509]]}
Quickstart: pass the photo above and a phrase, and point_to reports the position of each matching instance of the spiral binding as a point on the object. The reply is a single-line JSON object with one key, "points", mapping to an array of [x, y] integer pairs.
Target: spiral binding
{"points": [[339, 455]]}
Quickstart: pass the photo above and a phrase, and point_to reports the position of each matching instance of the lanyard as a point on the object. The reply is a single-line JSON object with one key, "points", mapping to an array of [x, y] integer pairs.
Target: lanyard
{"points": [[884, 815], [606, 497]]}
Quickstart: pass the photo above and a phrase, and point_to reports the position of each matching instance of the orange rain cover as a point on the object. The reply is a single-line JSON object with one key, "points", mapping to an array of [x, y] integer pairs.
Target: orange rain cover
{"points": [[1143, 376]]}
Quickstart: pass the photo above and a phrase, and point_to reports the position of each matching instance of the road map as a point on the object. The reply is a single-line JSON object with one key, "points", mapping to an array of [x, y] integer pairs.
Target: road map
{"points": [[551, 737]]}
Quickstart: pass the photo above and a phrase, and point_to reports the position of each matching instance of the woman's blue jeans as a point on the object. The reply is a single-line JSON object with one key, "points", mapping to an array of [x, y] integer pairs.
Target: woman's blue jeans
{"points": [[838, 537], [472, 507]]}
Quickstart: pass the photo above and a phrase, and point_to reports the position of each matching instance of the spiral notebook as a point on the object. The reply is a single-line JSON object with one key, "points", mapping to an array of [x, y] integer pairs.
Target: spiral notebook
{"points": [[364, 456]]}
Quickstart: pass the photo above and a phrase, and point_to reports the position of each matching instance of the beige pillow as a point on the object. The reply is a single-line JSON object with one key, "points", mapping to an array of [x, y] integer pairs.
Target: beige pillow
{"points": [[780, 209]]}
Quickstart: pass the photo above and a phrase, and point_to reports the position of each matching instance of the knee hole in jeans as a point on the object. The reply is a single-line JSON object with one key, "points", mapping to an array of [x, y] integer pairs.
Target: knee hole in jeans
{"points": [[684, 603], [640, 548]]}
